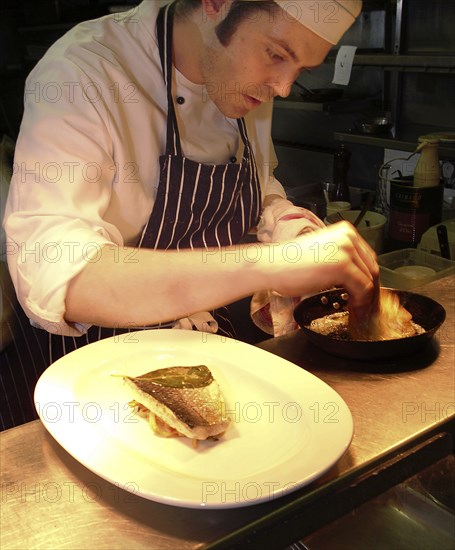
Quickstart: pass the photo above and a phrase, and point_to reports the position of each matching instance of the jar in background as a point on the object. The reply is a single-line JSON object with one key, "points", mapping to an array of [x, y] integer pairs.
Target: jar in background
{"points": [[412, 211]]}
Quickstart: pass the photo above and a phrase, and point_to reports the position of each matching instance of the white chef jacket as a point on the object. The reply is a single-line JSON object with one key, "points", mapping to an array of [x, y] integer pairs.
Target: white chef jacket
{"points": [[86, 166]]}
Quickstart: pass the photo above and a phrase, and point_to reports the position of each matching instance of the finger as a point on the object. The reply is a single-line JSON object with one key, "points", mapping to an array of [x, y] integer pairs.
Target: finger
{"points": [[359, 286], [360, 278], [359, 251], [367, 255]]}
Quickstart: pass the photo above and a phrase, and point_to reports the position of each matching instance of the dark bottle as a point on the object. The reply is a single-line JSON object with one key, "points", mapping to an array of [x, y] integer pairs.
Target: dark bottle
{"points": [[340, 172]]}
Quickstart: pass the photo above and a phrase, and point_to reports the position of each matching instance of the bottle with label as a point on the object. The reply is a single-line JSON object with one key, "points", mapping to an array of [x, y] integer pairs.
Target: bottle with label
{"points": [[340, 172], [427, 172], [416, 200]]}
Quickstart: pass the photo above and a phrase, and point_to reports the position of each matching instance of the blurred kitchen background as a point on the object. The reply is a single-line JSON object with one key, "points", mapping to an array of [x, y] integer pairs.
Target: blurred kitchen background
{"points": [[403, 70]]}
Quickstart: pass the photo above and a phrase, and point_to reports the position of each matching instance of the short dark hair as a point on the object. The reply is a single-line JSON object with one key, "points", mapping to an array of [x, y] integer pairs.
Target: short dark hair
{"points": [[240, 10]]}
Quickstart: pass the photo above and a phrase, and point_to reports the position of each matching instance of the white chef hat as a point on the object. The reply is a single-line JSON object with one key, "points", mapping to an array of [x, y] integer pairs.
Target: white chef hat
{"points": [[329, 19]]}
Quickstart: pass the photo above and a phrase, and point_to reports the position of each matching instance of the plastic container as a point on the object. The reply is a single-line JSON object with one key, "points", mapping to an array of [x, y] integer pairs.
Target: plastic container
{"points": [[408, 268]]}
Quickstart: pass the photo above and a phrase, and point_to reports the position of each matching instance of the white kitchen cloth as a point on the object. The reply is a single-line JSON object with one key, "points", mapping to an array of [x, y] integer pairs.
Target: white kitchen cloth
{"points": [[280, 221]]}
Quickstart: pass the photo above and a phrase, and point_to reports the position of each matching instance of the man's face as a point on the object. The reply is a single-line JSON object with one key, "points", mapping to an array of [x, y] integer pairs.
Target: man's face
{"points": [[262, 60]]}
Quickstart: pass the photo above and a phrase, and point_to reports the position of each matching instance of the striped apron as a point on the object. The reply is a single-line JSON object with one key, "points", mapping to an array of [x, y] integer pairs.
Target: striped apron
{"points": [[196, 205]]}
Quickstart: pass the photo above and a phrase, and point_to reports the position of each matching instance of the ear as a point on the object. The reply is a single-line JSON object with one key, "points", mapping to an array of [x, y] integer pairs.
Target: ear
{"points": [[213, 8]]}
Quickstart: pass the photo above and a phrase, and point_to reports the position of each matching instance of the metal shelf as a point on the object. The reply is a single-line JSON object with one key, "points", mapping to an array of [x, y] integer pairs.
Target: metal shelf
{"points": [[408, 63], [403, 138], [295, 103], [428, 62]]}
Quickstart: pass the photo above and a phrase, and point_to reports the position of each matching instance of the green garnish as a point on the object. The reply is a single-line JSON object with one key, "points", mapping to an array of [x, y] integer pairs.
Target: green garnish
{"points": [[178, 377]]}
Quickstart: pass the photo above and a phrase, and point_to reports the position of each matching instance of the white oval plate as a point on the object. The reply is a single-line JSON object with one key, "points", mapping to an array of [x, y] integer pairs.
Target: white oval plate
{"points": [[287, 426]]}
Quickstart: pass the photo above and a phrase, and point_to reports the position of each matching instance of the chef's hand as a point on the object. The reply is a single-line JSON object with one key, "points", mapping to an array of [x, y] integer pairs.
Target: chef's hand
{"points": [[329, 257]]}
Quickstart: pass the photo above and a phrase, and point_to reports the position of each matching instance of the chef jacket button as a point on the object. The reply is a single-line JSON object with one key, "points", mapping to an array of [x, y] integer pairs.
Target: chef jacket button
{"points": [[233, 159], [180, 100]]}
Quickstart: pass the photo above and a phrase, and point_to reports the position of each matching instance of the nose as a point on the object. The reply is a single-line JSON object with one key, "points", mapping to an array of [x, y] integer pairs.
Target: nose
{"points": [[281, 84], [281, 89]]}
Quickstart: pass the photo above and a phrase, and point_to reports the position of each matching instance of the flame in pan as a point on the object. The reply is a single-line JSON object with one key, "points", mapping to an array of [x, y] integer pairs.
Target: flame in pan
{"points": [[386, 320]]}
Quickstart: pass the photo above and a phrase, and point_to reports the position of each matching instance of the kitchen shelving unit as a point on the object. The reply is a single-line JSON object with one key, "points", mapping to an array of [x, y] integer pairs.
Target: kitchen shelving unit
{"points": [[396, 61], [396, 66], [408, 63]]}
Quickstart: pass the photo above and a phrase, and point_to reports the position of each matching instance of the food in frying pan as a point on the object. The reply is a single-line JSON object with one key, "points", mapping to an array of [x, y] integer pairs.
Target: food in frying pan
{"points": [[387, 320], [426, 312], [180, 401]]}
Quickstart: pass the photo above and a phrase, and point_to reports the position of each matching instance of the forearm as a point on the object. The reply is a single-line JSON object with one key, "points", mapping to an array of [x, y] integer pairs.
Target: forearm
{"points": [[134, 287], [167, 285]]}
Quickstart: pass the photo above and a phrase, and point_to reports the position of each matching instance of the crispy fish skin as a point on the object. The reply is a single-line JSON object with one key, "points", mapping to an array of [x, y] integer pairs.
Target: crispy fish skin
{"points": [[195, 412]]}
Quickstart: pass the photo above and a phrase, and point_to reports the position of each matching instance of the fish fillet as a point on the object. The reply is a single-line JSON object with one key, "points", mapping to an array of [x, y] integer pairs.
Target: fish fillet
{"points": [[188, 399]]}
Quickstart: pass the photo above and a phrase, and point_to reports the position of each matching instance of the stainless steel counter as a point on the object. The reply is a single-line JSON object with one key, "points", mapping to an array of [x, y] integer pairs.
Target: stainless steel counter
{"points": [[402, 410]]}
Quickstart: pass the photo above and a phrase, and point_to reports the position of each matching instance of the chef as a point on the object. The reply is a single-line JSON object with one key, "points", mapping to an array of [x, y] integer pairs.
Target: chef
{"points": [[144, 160]]}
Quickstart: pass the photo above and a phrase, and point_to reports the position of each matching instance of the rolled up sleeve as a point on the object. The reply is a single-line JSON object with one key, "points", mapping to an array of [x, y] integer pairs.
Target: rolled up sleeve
{"points": [[61, 187]]}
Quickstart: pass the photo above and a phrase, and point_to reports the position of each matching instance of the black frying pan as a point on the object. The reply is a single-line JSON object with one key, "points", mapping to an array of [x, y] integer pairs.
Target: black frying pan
{"points": [[426, 312]]}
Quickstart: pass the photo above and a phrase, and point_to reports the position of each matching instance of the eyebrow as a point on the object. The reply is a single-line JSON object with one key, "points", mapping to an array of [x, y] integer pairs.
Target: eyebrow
{"points": [[286, 47], [291, 52]]}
